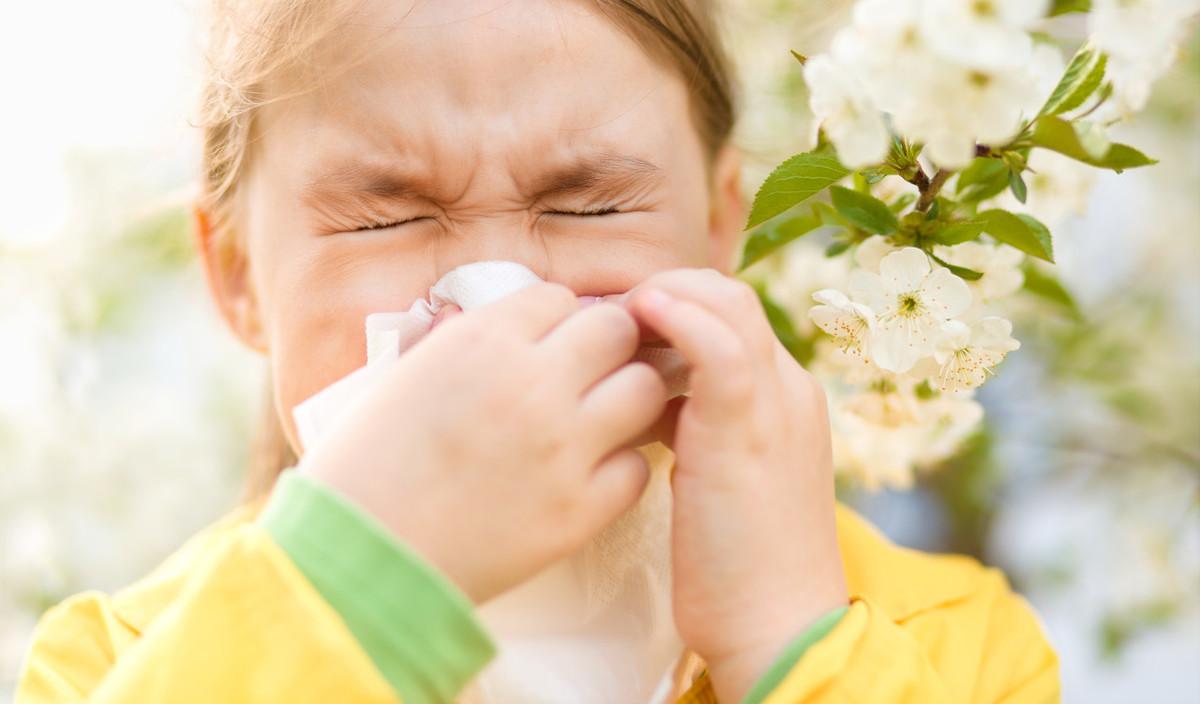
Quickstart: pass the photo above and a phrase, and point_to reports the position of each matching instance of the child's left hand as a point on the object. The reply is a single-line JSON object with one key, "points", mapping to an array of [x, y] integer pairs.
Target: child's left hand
{"points": [[754, 543]]}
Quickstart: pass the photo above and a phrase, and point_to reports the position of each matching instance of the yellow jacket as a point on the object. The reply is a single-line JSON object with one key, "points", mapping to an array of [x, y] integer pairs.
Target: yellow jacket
{"points": [[230, 618]]}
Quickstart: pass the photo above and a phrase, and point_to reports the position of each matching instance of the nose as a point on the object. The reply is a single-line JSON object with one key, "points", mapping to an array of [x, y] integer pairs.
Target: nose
{"points": [[508, 234]]}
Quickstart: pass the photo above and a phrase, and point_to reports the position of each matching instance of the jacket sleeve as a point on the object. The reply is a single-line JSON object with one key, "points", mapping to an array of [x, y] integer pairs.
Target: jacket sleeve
{"points": [[272, 613], [986, 646]]}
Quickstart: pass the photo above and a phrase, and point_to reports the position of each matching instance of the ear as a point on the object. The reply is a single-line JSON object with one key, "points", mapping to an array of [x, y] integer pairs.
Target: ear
{"points": [[227, 273], [727, 213]]}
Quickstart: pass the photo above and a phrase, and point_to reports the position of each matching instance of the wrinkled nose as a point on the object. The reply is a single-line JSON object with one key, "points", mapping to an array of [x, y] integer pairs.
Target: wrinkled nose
{"points": [[508, 235]]}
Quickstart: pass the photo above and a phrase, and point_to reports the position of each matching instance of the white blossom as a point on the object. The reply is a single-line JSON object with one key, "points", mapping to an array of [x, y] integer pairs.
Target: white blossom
{"points": [[876, 437], [885, 45], [912, 302], [801, 269], [1141, 39], [948, 420], [831, 362], [981, 33], [847, 323], [967, 354], [1000, 265], [880, 435], [874, 456], [953, 107], [842, 107]]}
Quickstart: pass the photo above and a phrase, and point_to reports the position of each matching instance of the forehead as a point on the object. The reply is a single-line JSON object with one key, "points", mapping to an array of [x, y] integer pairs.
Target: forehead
{"points": [[455, 80]]}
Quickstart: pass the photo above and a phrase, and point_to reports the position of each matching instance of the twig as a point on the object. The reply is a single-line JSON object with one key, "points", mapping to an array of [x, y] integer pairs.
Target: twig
{"points": [[931, 188]]}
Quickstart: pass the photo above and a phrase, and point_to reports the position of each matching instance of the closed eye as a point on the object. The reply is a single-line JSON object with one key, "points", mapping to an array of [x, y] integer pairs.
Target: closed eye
{"points": [[385, 224], [609, 210]]}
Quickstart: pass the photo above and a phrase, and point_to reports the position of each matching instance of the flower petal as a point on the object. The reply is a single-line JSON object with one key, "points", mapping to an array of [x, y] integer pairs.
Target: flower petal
{"points": [[898, 343], [869, 289], [831, 297], [904, 270], [994, 333], [954, 336], [945, 295]]}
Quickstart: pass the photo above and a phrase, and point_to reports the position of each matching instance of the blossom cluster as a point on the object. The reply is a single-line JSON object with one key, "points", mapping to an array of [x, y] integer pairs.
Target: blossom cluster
{"points": [[952, 136], [952, 74], [904, 349]]}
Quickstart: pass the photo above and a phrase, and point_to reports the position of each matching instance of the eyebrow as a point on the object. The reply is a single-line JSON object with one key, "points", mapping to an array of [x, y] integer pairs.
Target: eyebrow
{"points": [[601, 174]]}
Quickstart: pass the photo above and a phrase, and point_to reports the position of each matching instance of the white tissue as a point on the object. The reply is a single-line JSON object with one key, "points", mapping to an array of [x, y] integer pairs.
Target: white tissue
{"points": [[389, 334], [595, 627]]}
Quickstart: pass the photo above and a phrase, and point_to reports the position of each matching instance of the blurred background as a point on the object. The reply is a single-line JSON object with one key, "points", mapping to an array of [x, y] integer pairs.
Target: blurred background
{"points": [[127, 409]]}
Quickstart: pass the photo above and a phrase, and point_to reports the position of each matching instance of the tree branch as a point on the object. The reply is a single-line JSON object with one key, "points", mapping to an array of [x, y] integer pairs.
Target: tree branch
{"points": [[931, 187]]}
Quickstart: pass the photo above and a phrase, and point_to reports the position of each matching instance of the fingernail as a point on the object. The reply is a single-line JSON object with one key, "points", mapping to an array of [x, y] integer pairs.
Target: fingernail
{"points": [[585, 301], [657, 298]]}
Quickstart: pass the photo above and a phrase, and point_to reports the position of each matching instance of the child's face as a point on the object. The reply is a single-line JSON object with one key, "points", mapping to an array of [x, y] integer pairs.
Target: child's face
{"points": [[479, 123]]}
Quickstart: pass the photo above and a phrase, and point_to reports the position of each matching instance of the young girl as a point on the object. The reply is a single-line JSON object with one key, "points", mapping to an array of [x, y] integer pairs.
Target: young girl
{"points": [[357, 152]]}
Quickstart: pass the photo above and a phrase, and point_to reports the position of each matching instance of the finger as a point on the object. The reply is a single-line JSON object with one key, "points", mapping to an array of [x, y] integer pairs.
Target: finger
{"points": [[620, 406], [591, 343], [731, 299], [616, 484], [647, 337], [663, 428], [532, 311], [722, 371]]}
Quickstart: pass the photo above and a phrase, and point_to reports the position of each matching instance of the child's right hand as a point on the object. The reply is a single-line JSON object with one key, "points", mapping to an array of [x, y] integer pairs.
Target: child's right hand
{"points": [[503, 440]]}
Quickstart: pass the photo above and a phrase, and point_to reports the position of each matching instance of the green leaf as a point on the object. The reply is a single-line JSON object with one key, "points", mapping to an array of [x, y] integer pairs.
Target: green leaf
{"points": [[958, 232], [1021, 231], [837, 247], [1074, 140], [794, 181], [1083, 76], [960, 271], [774, 234], [1047, 286], [863, 210], [875, 174], [902, 201], [1041, 233], [801, 348], [1062, 7], [983, 178], [828, 215], [1017, 184]]}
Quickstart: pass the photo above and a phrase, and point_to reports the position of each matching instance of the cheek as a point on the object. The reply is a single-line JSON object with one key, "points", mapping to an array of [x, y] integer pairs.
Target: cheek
{"points": [[613, 257], [320, 294]]}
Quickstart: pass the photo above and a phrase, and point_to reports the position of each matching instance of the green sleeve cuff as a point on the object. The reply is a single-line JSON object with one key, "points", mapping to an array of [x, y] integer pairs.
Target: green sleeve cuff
{"points": [[418, 627], [791, 655]]}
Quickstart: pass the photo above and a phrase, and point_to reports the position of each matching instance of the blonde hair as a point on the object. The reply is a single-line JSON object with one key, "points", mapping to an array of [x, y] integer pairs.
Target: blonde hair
{"points": [[253, 44]]}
